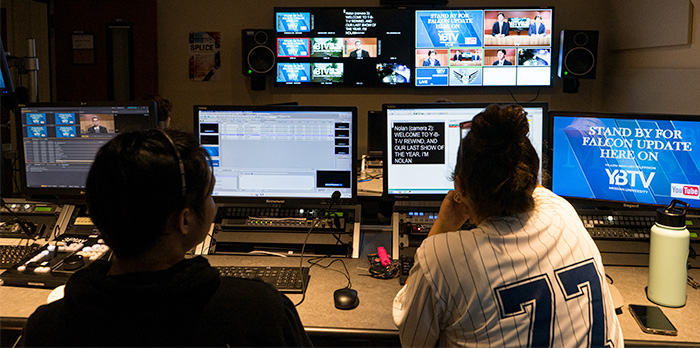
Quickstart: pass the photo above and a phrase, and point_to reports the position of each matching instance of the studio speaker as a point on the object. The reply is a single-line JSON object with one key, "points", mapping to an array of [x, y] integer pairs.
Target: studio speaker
{"points": [[578, 54], [259, 51]]}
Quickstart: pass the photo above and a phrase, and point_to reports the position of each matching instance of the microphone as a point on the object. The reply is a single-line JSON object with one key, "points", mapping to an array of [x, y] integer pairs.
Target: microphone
{"points": [[335, 197]]}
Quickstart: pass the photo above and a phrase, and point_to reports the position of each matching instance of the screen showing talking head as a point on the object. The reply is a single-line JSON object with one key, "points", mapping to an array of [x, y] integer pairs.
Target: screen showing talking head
{"points": [[639, 159], [280, 151], [343, 46], [59, 141], [423, 141], [483, 47]]}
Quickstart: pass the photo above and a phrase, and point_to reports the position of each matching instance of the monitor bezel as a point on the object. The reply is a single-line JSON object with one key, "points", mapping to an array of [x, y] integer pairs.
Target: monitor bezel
{"points": [[482, 105], [554, 48], [65, 194], [287, 201], [606, 204]]}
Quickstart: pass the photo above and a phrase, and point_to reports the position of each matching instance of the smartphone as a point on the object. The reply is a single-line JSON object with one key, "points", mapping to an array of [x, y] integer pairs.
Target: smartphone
{"points": [[652, 320]]}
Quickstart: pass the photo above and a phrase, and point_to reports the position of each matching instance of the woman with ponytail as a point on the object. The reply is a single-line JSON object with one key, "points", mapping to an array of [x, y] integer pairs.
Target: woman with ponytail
{"points": [[528, 275]]}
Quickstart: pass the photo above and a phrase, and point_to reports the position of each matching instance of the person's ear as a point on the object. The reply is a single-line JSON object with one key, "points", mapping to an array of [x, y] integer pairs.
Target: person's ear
{"points": [[459, 188], [183, 221]]}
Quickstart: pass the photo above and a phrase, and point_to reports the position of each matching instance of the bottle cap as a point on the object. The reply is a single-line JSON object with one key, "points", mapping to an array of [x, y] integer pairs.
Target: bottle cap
{"points": [[672, 216]]}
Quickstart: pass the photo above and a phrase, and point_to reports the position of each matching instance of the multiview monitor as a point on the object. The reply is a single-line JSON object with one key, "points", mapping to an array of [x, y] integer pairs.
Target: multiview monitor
{"points": [[483, 47], [280, 154], [625, 160], [344, 46], [422, 142], [58, 141]]}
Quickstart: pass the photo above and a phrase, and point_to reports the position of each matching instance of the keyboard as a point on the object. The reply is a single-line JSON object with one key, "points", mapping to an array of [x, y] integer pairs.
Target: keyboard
{"points": [[13, 254], [633, 226], [285, 279]]}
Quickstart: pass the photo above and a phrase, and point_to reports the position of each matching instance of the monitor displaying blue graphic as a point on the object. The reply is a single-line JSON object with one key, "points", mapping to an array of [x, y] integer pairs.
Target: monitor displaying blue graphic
{"points": [[483, 47], [344, 46], [635, 159], [65, 118], [422, 142], [293, 47], [294, 22], [294, 72]]}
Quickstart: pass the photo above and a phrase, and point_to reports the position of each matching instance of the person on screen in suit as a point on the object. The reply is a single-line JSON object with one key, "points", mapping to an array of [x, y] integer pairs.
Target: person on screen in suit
{"points": [[458, 56], [431, 60], [501, 28], [529, 249], [359, 52], [537, 28], [96, 128], [501, 54], [149, 294]]}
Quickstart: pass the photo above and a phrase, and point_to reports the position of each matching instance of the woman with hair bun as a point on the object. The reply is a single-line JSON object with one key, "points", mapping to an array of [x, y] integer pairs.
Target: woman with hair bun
{"points": [[528, 275]]}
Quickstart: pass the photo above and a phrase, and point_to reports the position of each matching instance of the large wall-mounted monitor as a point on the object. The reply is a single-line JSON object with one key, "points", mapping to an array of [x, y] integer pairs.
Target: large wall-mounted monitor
{"points": [[625, 160], [281, 154], [59, 141], [483, 47], [344, 46], [422, 142]]}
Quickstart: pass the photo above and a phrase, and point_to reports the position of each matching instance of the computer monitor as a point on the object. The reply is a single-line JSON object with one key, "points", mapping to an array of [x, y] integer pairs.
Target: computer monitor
{"points": [[625, 160], [280, 154], [6, 85], [423, 140], [58, 141]]}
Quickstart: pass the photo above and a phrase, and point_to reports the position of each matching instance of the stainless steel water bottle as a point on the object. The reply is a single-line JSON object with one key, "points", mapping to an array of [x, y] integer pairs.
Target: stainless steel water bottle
{"points": [[668, 256]]}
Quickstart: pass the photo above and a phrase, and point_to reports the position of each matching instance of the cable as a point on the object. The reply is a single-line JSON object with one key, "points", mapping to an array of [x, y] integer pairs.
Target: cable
{"points": [[334, 198], [315, 262], [531, 100], [28, 227]]}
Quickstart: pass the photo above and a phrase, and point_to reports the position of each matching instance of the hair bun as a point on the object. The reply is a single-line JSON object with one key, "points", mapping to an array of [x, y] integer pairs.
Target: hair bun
{"points": [[504, 130]]}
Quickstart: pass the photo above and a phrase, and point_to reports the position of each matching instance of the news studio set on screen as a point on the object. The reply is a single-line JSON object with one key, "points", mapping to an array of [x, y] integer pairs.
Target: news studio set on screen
{"points": [[483, 47]]}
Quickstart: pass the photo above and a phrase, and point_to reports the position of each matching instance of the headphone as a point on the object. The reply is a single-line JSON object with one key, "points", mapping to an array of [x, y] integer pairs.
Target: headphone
{"points": [[179, 161]]}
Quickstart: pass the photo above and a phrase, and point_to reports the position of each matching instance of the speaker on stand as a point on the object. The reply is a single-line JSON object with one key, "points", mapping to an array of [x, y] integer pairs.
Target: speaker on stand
{"points": [[578, 57], [259, 55]]}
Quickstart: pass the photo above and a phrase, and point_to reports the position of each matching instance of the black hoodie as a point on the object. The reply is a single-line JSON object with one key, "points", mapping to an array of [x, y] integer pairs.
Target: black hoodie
{"points": [[188, 304]]}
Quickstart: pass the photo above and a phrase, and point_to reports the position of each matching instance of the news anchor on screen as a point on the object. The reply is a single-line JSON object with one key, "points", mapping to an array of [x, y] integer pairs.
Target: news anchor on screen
{"points": [[96, 128], [501, 58], [501, 28], [431, 60], [359, 53], [537, 28]]}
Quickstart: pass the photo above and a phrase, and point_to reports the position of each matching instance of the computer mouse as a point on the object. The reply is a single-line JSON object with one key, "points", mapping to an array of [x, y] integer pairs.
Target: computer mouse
{"points": [[345, 298], [73, 262]]}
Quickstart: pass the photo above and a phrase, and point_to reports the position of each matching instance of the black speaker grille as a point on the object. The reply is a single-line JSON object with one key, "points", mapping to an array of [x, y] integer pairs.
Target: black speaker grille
{"points": [[261, 59], [579, 61]]}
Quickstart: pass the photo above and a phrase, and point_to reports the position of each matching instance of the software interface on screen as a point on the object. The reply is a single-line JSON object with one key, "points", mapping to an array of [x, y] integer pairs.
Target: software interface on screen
{"points": [[483, 47], [343, 46], [60, 142], [294, 154], [422, 145], [649, 159]]}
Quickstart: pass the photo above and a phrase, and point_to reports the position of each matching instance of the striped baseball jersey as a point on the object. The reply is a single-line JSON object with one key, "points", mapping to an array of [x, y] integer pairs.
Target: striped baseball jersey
{"points": [[534, 279]]}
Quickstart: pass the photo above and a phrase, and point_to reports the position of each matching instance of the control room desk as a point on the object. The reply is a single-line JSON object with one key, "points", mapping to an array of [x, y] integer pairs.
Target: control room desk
{"points": [[371, 321]]}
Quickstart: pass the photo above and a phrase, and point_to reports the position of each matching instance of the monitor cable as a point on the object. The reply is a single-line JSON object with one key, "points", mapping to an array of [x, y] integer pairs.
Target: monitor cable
{"points": [[335, 197]]}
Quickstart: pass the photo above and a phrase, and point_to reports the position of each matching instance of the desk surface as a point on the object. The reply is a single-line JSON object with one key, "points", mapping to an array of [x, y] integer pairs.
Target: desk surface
{"points": [[373, 315]]}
